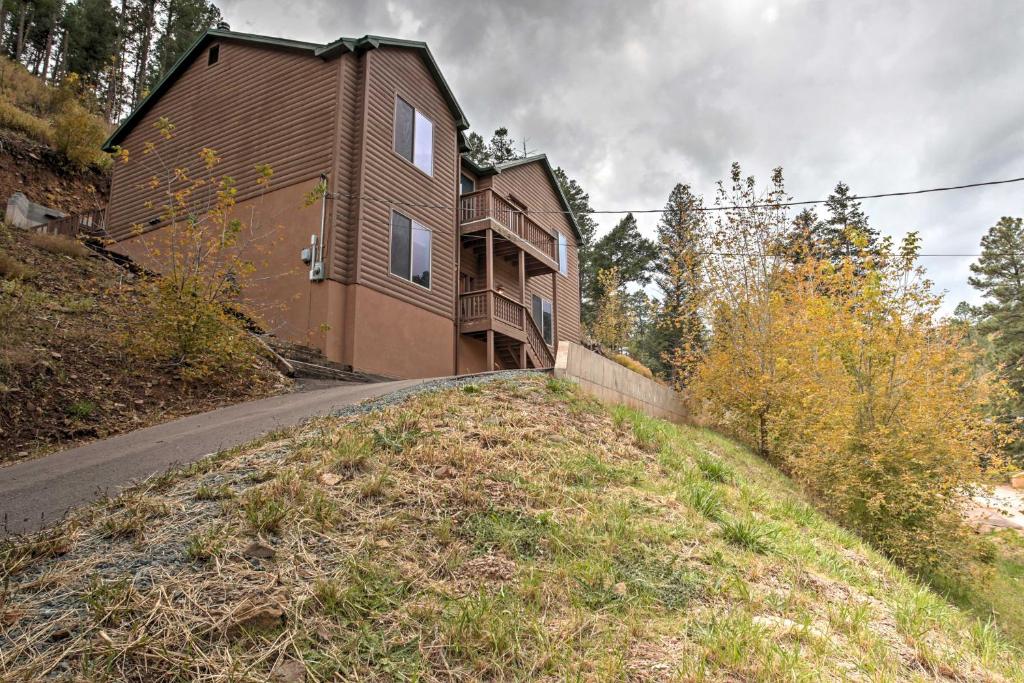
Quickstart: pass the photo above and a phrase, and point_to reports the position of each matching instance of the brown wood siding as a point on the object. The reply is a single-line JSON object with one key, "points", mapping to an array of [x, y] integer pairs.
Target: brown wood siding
{"points": [[530, 184], [346, 182], [256, 105], [390, 72]]}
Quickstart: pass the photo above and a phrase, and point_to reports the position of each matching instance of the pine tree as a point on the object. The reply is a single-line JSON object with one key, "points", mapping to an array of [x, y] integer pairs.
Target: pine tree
{"points": [[679, 333], [624, 249], [999, 276], [502, 147], [144, 25], [478, 151], [91, 27], [835, 237], [184, 22]]}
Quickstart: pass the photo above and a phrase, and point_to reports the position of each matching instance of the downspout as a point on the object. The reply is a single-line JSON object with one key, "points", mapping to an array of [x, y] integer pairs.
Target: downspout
{"points": [[323, 221], [316, 267], [458, 255]]}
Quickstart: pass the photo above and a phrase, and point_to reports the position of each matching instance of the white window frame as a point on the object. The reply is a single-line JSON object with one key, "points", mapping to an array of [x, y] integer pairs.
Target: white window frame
{"points": [[413, 226], [416, 113], [540, 323], [563, 254]]}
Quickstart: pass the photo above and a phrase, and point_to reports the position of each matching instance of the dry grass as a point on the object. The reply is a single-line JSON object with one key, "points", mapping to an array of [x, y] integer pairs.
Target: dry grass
{"points": [[57, 244], [633, 364], [513, 531], [13, 269], [13, 118]]}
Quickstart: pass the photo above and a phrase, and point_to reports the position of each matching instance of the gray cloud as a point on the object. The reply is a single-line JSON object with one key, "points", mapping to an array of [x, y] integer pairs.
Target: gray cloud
{"points": [[633, 97]]}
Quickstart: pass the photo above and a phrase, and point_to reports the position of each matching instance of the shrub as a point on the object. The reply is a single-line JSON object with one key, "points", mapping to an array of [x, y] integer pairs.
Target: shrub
{"points": [[633, 364], [79, 135], [12, 269], [22, 122], [184, 331], [57, 244]]}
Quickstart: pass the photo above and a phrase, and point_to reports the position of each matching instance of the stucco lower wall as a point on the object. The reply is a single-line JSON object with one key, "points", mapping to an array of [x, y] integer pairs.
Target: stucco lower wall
{"points": [[397, 339], [612, 383], [278, 293]]}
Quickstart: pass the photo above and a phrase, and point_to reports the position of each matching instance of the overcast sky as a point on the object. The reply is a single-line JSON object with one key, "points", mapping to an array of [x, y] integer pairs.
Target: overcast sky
{"points": [[633, 97]]}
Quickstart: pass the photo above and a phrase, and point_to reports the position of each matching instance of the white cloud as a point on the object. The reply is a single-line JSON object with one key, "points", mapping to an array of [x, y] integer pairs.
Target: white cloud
{"points": [[632, 98]]}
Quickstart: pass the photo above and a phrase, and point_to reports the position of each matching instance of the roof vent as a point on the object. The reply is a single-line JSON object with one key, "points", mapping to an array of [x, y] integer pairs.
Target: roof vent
{"points": [[223, 26]]}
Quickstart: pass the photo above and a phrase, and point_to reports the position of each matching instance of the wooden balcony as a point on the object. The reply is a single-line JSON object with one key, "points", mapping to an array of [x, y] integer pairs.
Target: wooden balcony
{"points": [[486, 310], [484, 209]]}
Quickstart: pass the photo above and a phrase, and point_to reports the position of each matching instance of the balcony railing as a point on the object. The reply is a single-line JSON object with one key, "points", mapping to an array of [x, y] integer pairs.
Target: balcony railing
{"points": [[482, 308], [483, 204], [486, 305], [92, 223]]}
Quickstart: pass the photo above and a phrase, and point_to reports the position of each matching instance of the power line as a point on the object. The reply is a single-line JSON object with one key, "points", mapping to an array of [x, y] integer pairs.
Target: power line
{"points": [[449, 207], [715, 253], [767, 205]]}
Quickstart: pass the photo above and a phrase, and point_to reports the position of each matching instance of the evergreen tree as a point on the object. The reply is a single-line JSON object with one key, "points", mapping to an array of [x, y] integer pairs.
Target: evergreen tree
{"points": [[184, 22], [144, 25], [999, 276], [831, 238], [679, 335], [579, 203], [478, 151], [624, 249], [502, 147], [90, 38]]}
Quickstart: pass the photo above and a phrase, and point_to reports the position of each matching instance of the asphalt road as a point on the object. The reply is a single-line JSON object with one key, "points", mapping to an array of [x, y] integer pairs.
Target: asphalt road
{"points": [[39, 492]]}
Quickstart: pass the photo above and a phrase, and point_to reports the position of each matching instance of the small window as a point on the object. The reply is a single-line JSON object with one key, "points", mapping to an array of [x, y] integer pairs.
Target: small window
{"points": [[466, 184], [414, 136], [410, 250], [563, 254], [213, 55], [542, 315]]}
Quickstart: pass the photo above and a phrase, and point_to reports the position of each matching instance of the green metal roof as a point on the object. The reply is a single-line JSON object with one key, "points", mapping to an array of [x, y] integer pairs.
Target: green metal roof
{"points": [[356, 45], [542, 159]]}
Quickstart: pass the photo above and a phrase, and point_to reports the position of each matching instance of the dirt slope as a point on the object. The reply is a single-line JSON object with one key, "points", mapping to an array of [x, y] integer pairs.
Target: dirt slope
{"points": [[65, 376], [501, 531], [47, 177]]}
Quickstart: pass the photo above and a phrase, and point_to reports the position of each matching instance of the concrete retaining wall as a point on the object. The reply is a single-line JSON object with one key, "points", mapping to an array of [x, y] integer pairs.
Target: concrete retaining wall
{"points": [[613, 383]]}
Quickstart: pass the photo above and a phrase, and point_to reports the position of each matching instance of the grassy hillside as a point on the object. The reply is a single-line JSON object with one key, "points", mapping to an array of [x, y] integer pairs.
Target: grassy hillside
{"points": [[66, 370], [500, 531]]}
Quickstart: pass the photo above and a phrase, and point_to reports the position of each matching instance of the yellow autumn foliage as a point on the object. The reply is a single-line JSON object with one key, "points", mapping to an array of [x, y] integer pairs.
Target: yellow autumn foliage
{"points": [[845, 378]]}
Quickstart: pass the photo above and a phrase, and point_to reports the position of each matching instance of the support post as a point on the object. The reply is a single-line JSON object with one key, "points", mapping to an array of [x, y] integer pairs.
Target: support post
{"points": [[490, 350], [489, 259]]}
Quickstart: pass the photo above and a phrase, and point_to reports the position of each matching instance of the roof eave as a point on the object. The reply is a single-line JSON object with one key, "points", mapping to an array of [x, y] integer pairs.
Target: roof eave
{"points": [[370, 42]]}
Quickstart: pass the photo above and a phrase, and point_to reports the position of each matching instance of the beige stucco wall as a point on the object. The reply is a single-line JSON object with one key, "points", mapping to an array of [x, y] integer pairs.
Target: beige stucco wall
{"points": [[612, 383]]}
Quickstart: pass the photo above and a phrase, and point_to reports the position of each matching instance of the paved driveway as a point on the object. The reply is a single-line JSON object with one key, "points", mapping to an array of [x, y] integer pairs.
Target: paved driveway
{"points": [[38, 492]]}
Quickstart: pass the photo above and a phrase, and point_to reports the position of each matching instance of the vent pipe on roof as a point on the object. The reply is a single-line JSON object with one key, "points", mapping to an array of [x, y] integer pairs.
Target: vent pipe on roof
{"points": [[223, 26]]}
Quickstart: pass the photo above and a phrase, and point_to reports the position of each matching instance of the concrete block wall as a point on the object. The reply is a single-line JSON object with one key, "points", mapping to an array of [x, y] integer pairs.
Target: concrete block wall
{"points": [[612, 383]]}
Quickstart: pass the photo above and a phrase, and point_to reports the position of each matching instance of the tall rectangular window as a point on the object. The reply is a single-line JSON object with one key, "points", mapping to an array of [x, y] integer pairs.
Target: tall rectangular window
{"points": [[410, 250], [542, 315], [414, 136], [466, 184], [563, 254]]}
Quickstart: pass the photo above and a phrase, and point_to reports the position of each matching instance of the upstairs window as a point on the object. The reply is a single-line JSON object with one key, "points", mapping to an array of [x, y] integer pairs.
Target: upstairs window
{"points": [[466, 184], [542, 315], [410, 250], [563, 254], [414, 136], [213, 55]]}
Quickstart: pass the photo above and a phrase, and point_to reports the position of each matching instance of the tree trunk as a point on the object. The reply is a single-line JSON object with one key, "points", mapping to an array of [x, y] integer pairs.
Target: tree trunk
{"points": [[48, 51], [145, 41], [19, 43], [3, 21], [117, 67]]}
